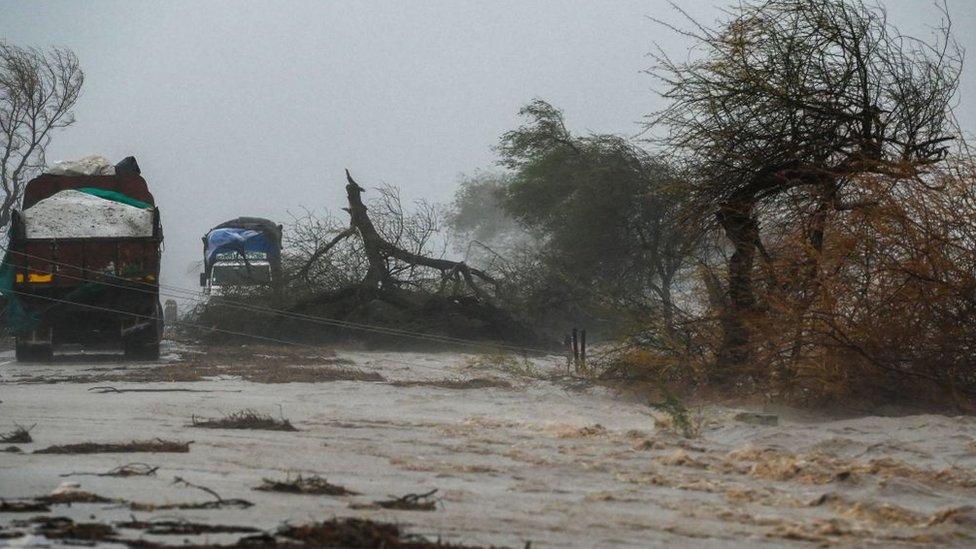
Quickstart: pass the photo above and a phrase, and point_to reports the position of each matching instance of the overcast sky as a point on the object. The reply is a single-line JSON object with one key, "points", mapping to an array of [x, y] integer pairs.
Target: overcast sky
{"points": [[255, 108]]}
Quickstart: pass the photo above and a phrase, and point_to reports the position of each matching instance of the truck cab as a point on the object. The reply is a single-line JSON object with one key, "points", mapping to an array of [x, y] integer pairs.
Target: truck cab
{"points": [[239, 254], [231, 271]]}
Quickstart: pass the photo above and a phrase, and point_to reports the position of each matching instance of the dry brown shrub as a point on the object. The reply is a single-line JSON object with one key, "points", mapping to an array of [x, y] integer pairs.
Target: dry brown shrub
{"points": [[882, 306]]}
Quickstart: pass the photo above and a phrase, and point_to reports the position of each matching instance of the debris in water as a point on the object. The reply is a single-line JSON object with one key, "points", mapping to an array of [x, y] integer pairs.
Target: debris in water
{"points": [[475, 383], [353, 532], [24, 506], [20, 435], [410, 502], [245, 419], [217, 503], [127, 470], [758, 418], [183, 528], [65, 528], [71, 492], [315, 485], [156, 445]]}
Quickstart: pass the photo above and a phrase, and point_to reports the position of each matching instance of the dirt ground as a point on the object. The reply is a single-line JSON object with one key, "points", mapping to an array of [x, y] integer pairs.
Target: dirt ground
{"points": [[516, 450]]}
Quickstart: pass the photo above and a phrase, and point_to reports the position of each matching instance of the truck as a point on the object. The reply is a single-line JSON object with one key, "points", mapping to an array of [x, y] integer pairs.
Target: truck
{"points": [[242, 253], [82, 265]]}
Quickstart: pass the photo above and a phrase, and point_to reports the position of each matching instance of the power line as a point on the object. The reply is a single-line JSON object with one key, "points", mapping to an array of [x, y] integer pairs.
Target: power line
{"points": [[150, 317], [193, 325], [195, 296]]}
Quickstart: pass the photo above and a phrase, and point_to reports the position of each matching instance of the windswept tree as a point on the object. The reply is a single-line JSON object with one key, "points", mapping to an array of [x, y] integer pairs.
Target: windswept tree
{"points": [[610, 212], [37, 93], [791, 105]]}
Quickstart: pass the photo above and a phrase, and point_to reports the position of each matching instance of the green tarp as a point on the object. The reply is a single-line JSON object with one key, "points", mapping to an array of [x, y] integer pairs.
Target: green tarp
{"points": [[13, 315], [115, 197]]}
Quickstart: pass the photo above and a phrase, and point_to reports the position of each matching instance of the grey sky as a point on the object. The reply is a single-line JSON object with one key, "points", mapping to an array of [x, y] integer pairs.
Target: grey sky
{"points": [[255, 108]]}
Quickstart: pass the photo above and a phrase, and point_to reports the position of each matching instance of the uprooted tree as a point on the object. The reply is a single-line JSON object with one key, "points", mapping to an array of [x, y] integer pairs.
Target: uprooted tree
{"points": [[386, 268]]}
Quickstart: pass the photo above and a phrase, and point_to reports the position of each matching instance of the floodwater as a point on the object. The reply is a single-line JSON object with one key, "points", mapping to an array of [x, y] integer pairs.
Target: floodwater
{"points": [[547, 459]]}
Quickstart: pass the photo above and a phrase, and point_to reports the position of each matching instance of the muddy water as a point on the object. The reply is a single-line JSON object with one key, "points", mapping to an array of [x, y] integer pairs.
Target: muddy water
{"points": [[547, 460]]}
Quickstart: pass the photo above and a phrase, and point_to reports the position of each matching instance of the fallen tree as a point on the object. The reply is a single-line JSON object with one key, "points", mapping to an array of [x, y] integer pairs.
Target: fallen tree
{"points": [[381, 271], [380, 279]]}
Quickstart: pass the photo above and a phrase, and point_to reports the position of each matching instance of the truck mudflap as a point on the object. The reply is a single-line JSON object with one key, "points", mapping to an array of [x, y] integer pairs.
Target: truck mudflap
{"points": [[141, 336]]}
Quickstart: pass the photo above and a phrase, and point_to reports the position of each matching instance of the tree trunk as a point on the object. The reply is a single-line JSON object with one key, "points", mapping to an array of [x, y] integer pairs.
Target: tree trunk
{"points": [[742, 230]]}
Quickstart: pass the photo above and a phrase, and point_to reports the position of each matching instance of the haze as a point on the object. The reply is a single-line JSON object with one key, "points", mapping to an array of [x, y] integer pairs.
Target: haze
{"points": [[255, 108]]}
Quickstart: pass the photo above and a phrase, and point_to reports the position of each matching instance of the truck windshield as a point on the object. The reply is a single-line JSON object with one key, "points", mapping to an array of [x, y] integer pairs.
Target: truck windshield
{"points": [[241, 275]]}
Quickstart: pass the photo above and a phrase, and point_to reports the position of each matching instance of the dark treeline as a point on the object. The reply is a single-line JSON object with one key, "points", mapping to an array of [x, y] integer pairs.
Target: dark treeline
{"points": [[800, 226]]}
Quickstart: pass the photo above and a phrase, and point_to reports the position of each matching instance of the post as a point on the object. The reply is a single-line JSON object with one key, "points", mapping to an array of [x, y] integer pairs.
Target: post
{"points": [[568, 342], [576, 349], [583, 349]]}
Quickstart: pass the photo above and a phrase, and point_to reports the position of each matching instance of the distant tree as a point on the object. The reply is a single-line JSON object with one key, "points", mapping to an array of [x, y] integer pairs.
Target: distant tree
{"points": [[610, 212], [792, 103], [485, 231], [37, 93]]}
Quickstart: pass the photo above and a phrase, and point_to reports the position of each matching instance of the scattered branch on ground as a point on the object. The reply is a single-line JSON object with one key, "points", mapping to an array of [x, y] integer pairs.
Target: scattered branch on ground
{"points": [[245, 419], [183, 528], [67, 497], [23, 506], [411, 502], [67, 529], [108, 389], [305, 485], [127, 470], [20, 435], [475, 383], [354, 532], [156, 445], [217, 503]]}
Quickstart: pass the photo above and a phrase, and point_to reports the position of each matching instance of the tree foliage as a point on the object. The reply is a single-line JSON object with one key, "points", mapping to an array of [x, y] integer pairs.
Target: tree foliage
{"points": [[37, 93], [607, 213], [789, 108]]}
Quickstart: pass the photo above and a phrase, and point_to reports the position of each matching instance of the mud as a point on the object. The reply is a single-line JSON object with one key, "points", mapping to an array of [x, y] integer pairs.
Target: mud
{"points": [[549, 459]]}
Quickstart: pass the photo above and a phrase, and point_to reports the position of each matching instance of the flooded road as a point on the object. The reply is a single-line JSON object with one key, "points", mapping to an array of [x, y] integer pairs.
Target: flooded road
{"points": [[517, 451]]}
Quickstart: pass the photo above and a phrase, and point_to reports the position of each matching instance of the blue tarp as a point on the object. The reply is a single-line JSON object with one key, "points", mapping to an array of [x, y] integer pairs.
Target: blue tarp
{"points": [[239, 242]]}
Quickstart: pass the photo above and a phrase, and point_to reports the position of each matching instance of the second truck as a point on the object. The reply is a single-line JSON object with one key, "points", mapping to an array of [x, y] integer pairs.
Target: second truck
{"points": [[241, 253]]}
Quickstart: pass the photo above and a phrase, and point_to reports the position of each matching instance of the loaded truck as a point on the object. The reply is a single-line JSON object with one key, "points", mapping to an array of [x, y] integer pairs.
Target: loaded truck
{"points": [[82, 265], [241, 253]]}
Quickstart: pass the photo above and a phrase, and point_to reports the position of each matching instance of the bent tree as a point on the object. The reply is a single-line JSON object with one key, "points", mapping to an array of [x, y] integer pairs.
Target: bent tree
{"points": [[797, 101], [37, 92], [609, 213]]}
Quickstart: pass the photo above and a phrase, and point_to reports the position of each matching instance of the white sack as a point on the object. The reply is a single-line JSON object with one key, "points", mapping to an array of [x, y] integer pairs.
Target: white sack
{"points": [[74, 214], [89, 165]]}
